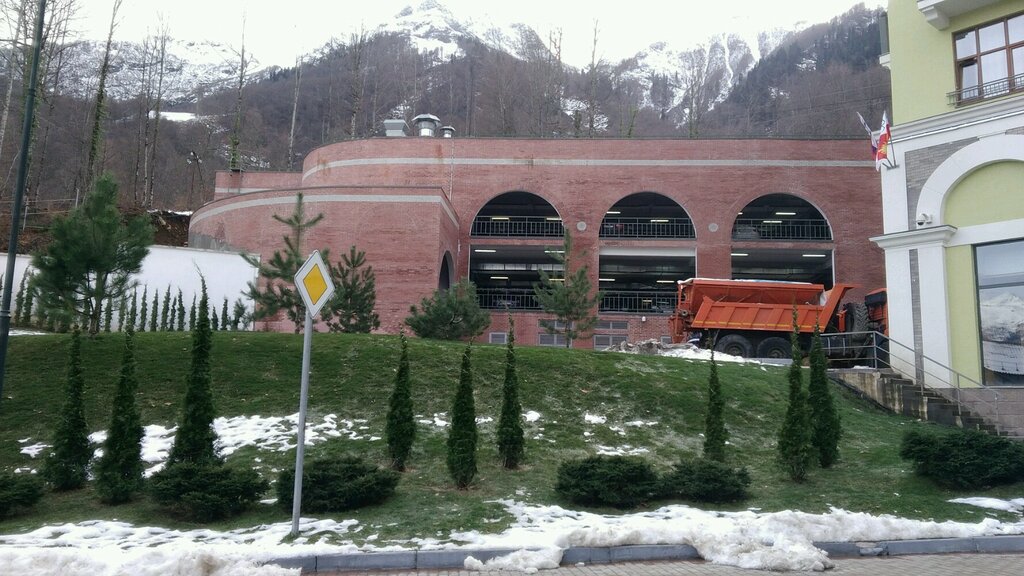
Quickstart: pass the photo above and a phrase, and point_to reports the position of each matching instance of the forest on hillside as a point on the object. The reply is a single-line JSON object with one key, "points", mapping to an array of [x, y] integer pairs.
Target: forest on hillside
{"points": [[163, 125]]}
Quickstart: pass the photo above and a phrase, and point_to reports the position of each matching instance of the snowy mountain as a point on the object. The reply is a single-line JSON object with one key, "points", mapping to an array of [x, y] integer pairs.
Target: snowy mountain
{"points": [[1001, 318]]}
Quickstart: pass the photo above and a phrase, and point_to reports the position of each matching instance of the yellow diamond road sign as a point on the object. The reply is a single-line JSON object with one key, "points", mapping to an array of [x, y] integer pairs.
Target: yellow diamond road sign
{"points": [[313, 282]]}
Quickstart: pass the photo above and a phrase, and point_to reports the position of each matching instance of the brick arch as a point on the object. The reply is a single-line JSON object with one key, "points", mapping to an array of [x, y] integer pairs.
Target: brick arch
{"points": [[490, 200], [959, 165]]}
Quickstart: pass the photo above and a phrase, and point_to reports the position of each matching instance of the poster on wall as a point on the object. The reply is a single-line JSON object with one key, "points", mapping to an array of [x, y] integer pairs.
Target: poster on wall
{"points": [[1001, 312]]}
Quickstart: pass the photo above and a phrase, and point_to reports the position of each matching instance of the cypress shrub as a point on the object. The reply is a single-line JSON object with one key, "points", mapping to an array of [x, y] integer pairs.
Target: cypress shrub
{"points": [[964, 459], [122, 312], [154, 311], [108, 313], [18, 491], [705, 480], [19, 301], [142, 311], [224, 315], [463, 435], [180, 307], [796, 453], [203, 492], [400, 430], [510, 426], [67, 466], [337, 484], [825, 423], [165, 310], [119, 471], [618, 481], [195, 437], [133, 312], [715, 433]]}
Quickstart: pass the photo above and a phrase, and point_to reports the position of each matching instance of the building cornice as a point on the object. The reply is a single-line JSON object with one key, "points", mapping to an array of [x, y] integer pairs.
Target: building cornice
{"points": [[959, 119], [931, 236]]}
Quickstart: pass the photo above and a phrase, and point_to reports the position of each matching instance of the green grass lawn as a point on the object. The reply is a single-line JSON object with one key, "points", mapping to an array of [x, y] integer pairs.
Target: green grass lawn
{"points": [[258, 374]]}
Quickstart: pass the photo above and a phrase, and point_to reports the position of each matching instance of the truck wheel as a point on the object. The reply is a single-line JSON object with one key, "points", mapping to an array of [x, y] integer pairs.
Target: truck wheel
{"points": [[734, 345], [857, 314], [774, 347]]}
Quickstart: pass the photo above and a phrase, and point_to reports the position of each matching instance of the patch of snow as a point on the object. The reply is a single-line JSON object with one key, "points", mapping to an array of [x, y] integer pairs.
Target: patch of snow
{"points": [[525, 561], [625, 450], [438, 420], [640, 423], [531, 416], [484, 419], [593, 418], [34, 450], [1015, 505]]}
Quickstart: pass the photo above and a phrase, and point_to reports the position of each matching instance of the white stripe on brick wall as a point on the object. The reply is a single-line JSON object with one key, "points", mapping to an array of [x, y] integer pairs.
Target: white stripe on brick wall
{"points": [[325, 198]]}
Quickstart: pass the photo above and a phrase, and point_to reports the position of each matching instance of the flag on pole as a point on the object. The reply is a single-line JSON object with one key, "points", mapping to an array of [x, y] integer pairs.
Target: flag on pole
{"points": [[871, 135], [882, 150]]}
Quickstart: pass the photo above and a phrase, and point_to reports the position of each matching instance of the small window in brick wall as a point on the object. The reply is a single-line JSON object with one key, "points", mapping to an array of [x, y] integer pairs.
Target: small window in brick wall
{"points": [[553, 324], [666, 340], [497, 338], [545, 339], [608, 340], [612, 325]]}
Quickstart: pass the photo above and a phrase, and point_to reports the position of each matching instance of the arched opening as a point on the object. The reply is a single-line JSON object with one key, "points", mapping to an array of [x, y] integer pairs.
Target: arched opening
{"points": [[646, 215], [444, 278], [517, 215], [782, 237], [504, 272]]}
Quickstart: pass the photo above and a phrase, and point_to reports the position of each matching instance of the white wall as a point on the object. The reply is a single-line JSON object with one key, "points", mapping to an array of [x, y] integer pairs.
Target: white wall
{"points": [[226, 273]]}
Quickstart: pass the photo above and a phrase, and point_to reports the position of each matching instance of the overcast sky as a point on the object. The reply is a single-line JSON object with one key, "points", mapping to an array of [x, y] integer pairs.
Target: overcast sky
{"points": [[277, 32]]}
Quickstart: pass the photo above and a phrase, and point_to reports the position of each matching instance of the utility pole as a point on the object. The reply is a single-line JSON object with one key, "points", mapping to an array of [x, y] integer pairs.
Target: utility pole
{"points": [[19, 194]]}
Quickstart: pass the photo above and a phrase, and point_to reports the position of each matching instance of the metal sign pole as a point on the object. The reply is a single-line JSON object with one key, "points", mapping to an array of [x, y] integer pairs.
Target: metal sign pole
{"points": [[300, 448]]}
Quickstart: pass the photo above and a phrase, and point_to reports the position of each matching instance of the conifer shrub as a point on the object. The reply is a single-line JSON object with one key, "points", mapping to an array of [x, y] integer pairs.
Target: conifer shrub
{"points": [[119, 470], [511, 443], [706, 480], [67, 466], [462, 436], [400, 429], [715, 433], [203, 492], [337, 484], [966, 459], [18, 491], [617, 481]]}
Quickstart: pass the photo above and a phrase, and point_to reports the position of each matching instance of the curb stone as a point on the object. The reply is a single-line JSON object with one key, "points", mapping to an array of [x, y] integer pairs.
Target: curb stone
{"points": [[455, 558]]}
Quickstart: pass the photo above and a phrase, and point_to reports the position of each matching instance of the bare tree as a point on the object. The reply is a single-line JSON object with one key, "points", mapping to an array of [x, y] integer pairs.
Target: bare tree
{"points": [[99, 111]]}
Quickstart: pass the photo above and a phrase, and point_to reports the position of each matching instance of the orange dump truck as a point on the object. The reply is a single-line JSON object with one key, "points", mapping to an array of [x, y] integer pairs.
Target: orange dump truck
{"points": [[754, 318]]}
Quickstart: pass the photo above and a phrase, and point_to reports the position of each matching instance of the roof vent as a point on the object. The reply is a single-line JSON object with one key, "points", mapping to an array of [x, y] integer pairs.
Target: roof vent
{"points": [[447, 131], [426, 124], [394, 127]]}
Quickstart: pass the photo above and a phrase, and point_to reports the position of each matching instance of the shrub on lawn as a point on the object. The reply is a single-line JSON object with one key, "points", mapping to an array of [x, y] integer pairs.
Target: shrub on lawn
{"points": [[964, 458], [705, 480], [619, 481], [205, 492], [337, 484], [18, 491]]}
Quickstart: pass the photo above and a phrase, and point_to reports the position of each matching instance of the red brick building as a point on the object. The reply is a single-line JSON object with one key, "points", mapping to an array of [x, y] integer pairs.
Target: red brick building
{"points": [[643, 213]]}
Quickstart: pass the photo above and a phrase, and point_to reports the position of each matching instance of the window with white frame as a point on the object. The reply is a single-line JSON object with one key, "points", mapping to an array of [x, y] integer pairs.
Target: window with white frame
{"points": [[990, 59], [1000, 273], [608, 340], [497, 338], [545, 339]]}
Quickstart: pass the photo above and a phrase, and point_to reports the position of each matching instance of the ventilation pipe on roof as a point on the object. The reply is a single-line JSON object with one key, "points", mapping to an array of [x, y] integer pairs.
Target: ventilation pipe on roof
{"points": [[447, 131], [426, 124]]}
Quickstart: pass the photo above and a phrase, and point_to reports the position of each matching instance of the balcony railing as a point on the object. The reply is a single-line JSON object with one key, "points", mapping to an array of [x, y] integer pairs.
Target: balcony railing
{"points": [[507, 299], [986, 90], [789, 229], [517, 227], [641, 302], [647, 228]]}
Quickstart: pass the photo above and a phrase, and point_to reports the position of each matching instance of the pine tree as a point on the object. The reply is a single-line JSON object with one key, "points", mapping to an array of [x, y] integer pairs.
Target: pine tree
{"points": [[154, 311], [569, 298], [119, 470], [400, 431], [180, 306], [450, 314], [224, 315], [195, 437], [165, 311], [351, 307], [796, 453], [277, 273], [715, 433], [67, 467], [510, 423], [824, 416], [142, 312], [462, 435]]}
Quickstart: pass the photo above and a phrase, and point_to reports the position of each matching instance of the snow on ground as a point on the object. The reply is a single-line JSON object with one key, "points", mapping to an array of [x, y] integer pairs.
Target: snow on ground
{"points": [[1016, 505], [749, 539]]}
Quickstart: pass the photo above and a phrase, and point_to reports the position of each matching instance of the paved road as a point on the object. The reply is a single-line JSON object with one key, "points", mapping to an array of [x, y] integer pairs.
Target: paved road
{"points": [[926, 565]]}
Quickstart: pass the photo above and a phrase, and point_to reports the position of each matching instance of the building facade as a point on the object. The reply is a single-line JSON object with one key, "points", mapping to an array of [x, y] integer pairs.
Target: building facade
{"points": [[953, 197], [643, 214]]}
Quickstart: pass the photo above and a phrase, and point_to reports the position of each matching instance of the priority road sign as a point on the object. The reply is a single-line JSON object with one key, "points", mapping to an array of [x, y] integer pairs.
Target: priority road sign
{"points": [[313, 281]]}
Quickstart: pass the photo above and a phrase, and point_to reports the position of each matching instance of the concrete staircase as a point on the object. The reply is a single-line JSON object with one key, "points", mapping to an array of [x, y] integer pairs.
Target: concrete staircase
{"points": [[901, 395]]}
